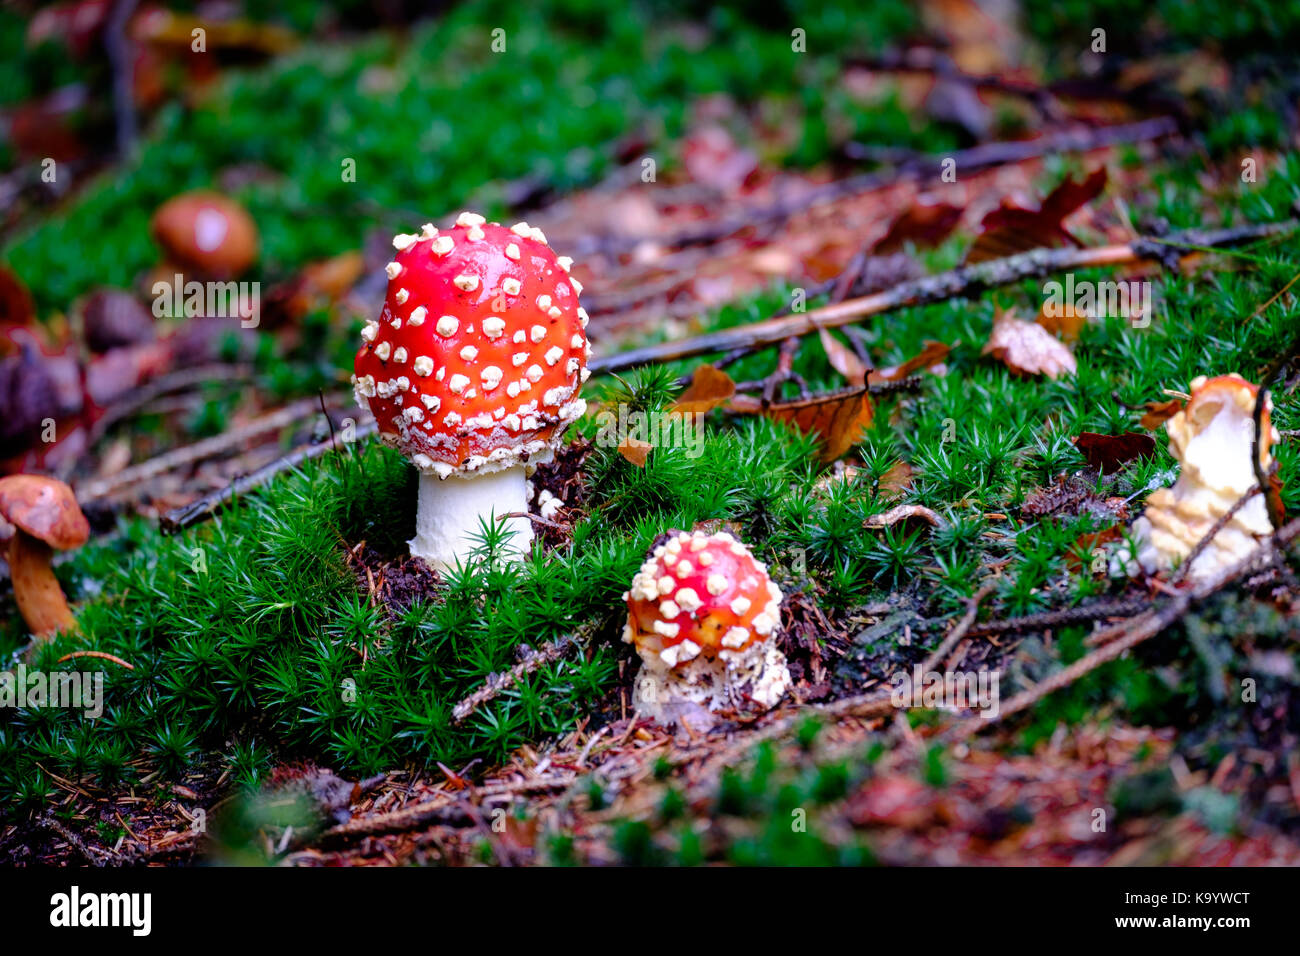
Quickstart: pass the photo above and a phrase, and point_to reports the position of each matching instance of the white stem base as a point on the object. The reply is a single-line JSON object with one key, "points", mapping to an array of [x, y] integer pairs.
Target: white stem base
{"points": [[447, 519]]}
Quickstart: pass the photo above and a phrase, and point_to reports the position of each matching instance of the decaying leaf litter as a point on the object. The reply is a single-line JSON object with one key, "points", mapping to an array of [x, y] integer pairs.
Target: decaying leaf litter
{"points": [[612, 789]]}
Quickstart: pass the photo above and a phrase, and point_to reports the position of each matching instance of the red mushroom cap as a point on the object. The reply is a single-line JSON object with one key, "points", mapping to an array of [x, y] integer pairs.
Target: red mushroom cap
{"points": [[700, 593], [476, 361]]}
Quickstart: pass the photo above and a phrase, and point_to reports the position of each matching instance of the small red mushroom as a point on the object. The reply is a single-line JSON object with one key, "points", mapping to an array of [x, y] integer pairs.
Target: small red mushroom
{"points": [[472, 370], [702, 613]]}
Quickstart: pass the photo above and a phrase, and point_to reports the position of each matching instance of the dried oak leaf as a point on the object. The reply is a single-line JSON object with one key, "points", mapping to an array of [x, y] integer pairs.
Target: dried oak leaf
{"points": [[709, 388], [1107, 452], [1010, 228], [1027, 348], [932, 353]]}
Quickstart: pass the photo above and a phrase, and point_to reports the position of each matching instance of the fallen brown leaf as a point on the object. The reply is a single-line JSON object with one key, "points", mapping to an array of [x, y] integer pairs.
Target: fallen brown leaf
{"points": [[932, 353], [1010, 229], [896, 481], [709, 388], [837, 418], [926, 224], [1027, 348], [1068, 324], [842, 358], [1160, 412], [635, 451], [1108, 452]]}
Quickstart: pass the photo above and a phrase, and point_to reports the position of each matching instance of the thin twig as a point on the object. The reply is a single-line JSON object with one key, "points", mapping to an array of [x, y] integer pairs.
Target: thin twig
{"points": [[964, 281], [1134, 632], [98, 655], [118, 48], [181, 518], [492, 687], [199, 451], [1065, 616], [1220, 523]]}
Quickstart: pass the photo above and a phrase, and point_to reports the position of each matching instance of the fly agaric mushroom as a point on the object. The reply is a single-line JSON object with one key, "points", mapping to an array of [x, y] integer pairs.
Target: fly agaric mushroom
{"points": [[45, 517], [1212, 439], [703, 613], [206, 232], [472, 371]]}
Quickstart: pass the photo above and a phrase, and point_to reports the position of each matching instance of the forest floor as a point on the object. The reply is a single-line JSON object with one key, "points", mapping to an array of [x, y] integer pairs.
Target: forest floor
{"points": [[927, 491]]}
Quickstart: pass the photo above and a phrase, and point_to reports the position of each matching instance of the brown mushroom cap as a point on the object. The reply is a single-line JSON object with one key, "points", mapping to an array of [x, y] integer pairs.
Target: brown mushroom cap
{"points": [[45, 508], [206, 232]]}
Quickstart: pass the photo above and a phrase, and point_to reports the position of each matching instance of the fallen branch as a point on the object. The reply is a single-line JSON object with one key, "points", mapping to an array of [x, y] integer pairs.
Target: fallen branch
{"points": [[969, 160], [207, 448], [1220, 523], [1132, 633], [875, 703], [1065, 616], [964, 281], [142, 395], [530, 661]]}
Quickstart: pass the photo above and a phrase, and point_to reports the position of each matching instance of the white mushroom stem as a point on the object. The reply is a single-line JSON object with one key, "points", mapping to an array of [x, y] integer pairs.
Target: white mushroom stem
{"points": [[450, 511]]}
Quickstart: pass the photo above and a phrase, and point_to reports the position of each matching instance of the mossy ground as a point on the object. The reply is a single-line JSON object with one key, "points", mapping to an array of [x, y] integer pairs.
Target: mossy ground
{"points": [[253, 642]]}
